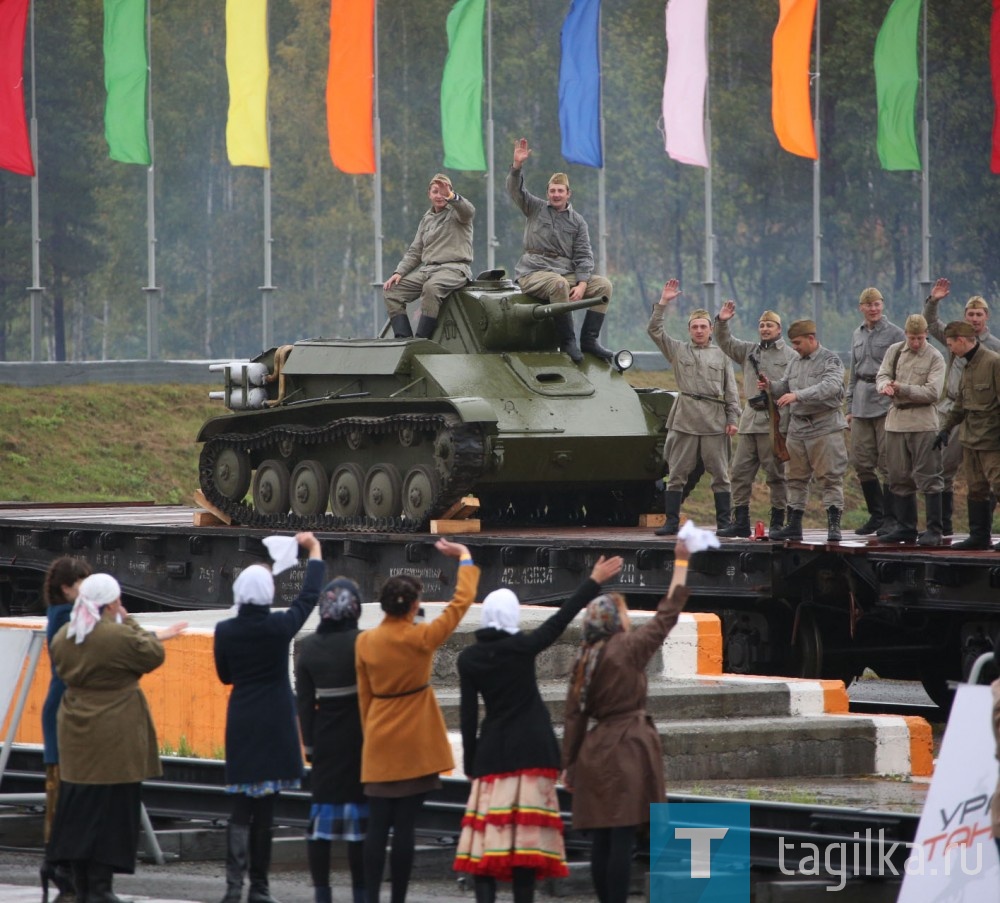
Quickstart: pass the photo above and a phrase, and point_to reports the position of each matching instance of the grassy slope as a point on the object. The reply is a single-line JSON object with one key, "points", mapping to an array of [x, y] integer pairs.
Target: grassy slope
{"points": [[130, 443]]}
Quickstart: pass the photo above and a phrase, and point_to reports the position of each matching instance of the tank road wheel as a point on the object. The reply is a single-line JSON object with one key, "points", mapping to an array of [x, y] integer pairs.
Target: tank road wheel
{"points": [[383, 493], [346, 490], [270, 488], [419, 490], [310, 489], [231, 473]]}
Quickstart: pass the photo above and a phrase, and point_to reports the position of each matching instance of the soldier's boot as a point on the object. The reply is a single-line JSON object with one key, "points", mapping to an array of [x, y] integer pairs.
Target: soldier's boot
{"points": [[426, 326], [874, 500], [980, 526], [672, 508], [100, 878], [777, 520], [833, 533], [566, 336], [933, 535], [401, 328], [723, 510], [889, 520], [905, 507], [590, 336], [947, 508], [793, 529], [741, 523]]}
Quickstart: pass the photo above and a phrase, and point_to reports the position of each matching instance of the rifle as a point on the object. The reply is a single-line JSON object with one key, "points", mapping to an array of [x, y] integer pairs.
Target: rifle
{"points": [[764, 402]]}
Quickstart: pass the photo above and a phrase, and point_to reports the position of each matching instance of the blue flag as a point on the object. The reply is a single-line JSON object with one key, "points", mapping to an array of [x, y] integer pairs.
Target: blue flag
{"points": [[580, 84]]}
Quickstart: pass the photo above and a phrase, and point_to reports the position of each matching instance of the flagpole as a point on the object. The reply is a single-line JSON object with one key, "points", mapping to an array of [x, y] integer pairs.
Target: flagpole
{"points": [[266, 303], [709, 281], [377, 193], [817, 274], [602, 217], [491, 231], [151, 289], [35, 289], [925, 180]]}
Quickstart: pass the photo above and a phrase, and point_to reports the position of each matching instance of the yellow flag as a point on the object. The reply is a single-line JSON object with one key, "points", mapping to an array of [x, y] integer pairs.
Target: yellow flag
{"points": [[247, 68]]}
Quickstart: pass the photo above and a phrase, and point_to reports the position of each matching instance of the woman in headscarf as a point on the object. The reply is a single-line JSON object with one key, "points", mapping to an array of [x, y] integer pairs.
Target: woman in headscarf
{"points": [[59, 592], [406, 745], [615, 769], [107, 741], [263, 752], [326, 687], [512, 829]]}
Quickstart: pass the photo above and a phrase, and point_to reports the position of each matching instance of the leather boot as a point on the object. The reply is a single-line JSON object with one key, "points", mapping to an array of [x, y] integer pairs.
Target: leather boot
{"points": [[872, 490], [793, 529], [933, 535], [672, 508], [590, 336], [486, 888], [947, 508], [905, 507], [237, 855], [61, 876], [980, 526], [741, 522], [426, 326], [566, 336], [889, 521], [323, 894], [358, 895], [777, 520], [833, 533], [723, 510], [401, 328], [99, 881], [80, 879], [260, 864]]}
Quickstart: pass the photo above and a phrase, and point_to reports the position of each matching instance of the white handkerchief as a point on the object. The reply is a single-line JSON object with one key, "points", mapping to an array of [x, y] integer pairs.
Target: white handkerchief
{"points": [[697, 539], [284, 552]]}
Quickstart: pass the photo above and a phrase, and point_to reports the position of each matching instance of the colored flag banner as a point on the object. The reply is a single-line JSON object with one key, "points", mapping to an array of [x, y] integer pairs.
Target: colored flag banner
{"points": [[462, 88], [580, 84], [350, 86], [897, 78], [126, 73], [686, 81], [15, 147], [248, 71], [995, 73], [790, 49]]}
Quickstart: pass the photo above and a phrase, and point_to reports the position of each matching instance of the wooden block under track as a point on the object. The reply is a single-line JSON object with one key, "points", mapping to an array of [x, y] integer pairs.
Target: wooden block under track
{"points": [[207, 519], [220, 517], [444, 527], [652, 520], [463, 508]]}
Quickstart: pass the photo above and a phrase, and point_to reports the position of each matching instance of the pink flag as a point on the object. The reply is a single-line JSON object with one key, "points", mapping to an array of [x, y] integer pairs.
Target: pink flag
{"points": [[995, 70], [684, 85], [15, 148]]}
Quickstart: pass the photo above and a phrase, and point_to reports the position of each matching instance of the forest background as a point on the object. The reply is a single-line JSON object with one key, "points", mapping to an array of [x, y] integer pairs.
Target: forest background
{"points": [[209, 214]]}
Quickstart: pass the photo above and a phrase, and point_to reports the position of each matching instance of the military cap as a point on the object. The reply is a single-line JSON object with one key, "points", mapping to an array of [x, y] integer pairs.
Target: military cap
{"points": [[699, 314], [769, 316], [915, 325], [559, 178], [959, 329], [870, 294], [802, 327], [977, 302], [441, 177]]}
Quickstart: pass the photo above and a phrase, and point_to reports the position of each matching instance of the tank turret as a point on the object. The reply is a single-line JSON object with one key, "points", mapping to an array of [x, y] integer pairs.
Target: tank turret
{"points": [[362, 434]]}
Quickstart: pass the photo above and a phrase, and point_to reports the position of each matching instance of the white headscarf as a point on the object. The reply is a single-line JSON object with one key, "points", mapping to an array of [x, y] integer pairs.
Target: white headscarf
{"points": [[254, 586], [502, 611], [96, 591]]}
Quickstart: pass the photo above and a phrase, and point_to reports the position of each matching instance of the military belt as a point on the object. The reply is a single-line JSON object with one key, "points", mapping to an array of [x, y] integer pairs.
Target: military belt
{"points": [[866, 379], [714, 398]]}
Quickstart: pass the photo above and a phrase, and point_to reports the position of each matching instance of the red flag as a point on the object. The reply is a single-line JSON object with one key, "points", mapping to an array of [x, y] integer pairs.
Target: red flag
{"points": [[995, 71], [15, 148], [350, 85]]}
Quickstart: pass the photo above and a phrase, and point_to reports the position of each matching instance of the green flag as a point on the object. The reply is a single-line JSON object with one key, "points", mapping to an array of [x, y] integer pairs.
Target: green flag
{"points": [[896, 82], [462, 88], [125, 74]]}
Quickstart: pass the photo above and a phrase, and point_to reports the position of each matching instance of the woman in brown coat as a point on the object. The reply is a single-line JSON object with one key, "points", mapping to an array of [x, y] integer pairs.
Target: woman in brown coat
{"points": [[405, 742], [615, 770]]}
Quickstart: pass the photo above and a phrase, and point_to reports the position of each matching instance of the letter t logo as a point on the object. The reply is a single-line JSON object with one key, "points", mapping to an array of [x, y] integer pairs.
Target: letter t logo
{"points": [[701, 847]]}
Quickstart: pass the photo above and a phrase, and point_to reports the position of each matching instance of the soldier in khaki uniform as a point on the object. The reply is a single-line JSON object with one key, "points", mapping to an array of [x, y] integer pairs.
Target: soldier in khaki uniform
{"points": [[912, 376], [977, 410], [437, 263], [753, 449], [866, 410], [977, 314], [704, 414], [813, 390]]}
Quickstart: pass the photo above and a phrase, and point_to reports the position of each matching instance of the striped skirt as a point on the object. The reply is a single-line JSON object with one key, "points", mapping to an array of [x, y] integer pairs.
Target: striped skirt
{"points": [[512, 821]]}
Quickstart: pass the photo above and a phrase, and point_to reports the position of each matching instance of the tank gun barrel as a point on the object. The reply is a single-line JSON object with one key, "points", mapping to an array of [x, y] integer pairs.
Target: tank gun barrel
{"points": [[548, 311]]}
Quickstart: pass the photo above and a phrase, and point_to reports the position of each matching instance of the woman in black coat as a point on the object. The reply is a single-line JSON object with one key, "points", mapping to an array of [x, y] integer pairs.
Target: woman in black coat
{"points": [[263, 753], [326, 687], [512, 829]]}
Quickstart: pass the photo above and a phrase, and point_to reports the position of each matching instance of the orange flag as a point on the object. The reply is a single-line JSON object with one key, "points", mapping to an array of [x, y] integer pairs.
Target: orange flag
{"points": [[349, 85], [790, 110]]}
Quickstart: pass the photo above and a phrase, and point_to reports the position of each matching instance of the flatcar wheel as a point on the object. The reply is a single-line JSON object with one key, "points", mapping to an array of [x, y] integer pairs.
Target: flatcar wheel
{"points": [[806, 656], [419, 490], [346, 490], [383, 491], [231, 473], [271, 485], [310, 489]]}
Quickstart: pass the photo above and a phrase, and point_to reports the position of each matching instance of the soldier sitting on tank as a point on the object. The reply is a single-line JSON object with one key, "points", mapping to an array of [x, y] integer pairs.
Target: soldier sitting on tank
{"points": [[436, 263], [558, 264]]}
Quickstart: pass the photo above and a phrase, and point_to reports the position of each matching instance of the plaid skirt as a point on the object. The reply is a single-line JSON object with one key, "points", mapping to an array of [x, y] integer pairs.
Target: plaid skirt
{"points": [[512, 821], [338, 821]]}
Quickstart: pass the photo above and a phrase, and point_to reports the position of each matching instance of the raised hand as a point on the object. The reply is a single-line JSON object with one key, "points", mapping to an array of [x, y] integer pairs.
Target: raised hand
{"points": [[521, 152], [671, 289], [606, 568], [452, 549], [940, 289], [728, 310]]}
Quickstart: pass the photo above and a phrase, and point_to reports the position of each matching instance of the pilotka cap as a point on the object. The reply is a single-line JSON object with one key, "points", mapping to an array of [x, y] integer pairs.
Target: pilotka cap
{"points": [[802, 327], [769, 316], [959, 329]]}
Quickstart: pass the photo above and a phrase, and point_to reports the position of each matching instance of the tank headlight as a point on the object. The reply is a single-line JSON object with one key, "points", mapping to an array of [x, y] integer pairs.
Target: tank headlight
{"points": [[623, 360]]}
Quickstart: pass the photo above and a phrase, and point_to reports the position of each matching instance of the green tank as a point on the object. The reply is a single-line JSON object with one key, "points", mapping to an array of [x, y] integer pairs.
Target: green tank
{"points": [[385, 434]]}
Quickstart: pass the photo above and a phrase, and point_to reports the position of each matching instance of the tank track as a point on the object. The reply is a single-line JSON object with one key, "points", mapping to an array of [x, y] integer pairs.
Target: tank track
{"points": [[468, 459]]}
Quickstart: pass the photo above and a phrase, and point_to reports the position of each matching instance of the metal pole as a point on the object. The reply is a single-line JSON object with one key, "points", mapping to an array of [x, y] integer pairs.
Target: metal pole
{"points": [[35, 289], [491, 230], [602, 215], [266, 305], [151, 289], [709, 280], [377, 304], [925, 180], [817, 274]]}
